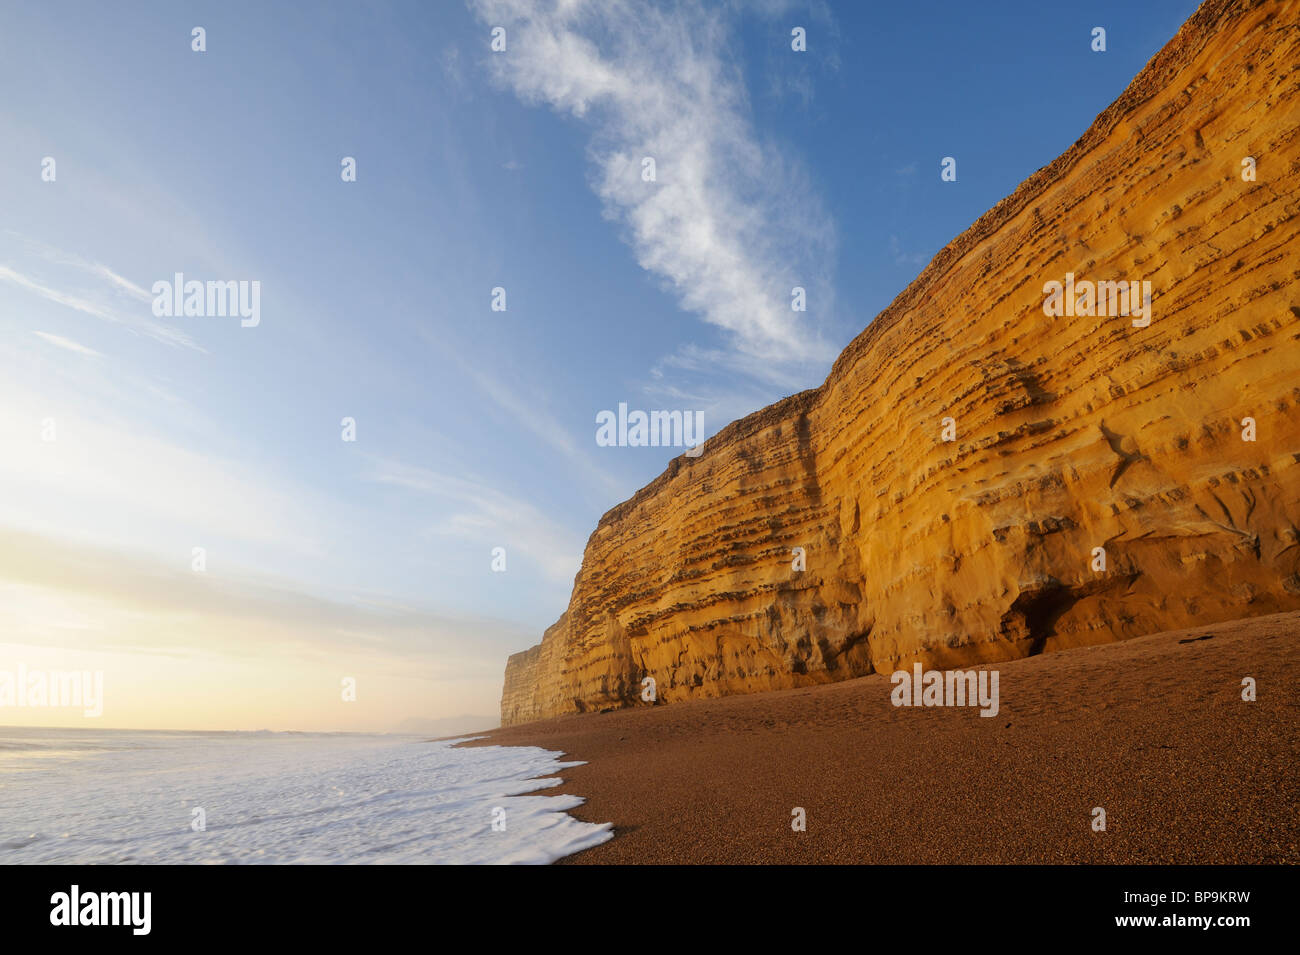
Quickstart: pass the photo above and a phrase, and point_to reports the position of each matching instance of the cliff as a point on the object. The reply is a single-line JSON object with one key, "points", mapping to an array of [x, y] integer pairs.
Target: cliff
{"points": [[1071, 433]]}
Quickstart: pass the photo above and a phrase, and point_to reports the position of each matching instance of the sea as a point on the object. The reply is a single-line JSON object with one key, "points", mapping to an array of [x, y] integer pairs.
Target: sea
{"points": [[118, 797]]}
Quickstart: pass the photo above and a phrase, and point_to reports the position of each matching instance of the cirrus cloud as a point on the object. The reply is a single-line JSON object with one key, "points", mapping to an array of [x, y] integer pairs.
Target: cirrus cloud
{"points": [[731, 223]]}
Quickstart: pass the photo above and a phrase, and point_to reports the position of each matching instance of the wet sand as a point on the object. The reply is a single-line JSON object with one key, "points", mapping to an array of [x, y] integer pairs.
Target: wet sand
{"points": [[1153, 730]]}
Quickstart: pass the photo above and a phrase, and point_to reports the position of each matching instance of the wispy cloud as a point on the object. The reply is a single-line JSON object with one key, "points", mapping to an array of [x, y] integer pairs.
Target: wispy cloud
{"points": [[731, 224], [693, 358], [98, 309], [132, 480], [793, 78], [98, 269], [482, 514], [108, 600], [913, 259], [67, 343], [125, 285], [528, 413], [54, 295], [451, 67]]}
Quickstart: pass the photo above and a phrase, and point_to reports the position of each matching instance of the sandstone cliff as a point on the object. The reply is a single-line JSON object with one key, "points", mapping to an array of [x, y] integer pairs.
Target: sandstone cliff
{"points": [[1072, 433]]}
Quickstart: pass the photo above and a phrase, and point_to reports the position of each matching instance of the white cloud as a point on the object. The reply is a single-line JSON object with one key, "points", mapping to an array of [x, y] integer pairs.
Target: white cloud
{"points": [[774, 374], [67, 343], [488, 516], [54, 295], [125, 285], [162, 333], [98, 269], [731, 224]]}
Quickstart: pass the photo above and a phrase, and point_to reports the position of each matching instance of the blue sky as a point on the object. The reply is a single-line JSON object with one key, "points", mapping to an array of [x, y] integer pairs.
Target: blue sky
{"points": [[474, 428]]}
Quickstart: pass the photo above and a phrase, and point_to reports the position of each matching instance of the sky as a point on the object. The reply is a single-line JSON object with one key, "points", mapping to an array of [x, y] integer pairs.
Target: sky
{"points": [[346, 577]]}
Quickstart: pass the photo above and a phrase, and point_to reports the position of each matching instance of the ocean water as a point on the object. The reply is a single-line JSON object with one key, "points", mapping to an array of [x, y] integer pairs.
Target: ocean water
{"points": [[122, 796]]}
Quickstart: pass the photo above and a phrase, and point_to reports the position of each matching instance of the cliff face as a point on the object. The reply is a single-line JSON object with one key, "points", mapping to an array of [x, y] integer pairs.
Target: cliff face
{"points": [[1071, 433]]}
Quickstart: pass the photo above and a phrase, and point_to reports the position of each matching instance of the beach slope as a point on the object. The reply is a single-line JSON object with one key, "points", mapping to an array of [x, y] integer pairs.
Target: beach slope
{"points": [[1153, 730]]}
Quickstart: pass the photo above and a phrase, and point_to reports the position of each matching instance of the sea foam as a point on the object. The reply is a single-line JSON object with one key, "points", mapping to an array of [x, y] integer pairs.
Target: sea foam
{"points": [[114, 797]]}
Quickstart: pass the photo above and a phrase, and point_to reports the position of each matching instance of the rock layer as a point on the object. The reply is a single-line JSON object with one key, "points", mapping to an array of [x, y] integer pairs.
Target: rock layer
{"points": [[1071, 433]]}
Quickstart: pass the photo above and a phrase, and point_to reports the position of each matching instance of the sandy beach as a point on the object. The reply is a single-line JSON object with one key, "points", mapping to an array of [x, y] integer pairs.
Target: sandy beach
{"points": [[1153, 730]]}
